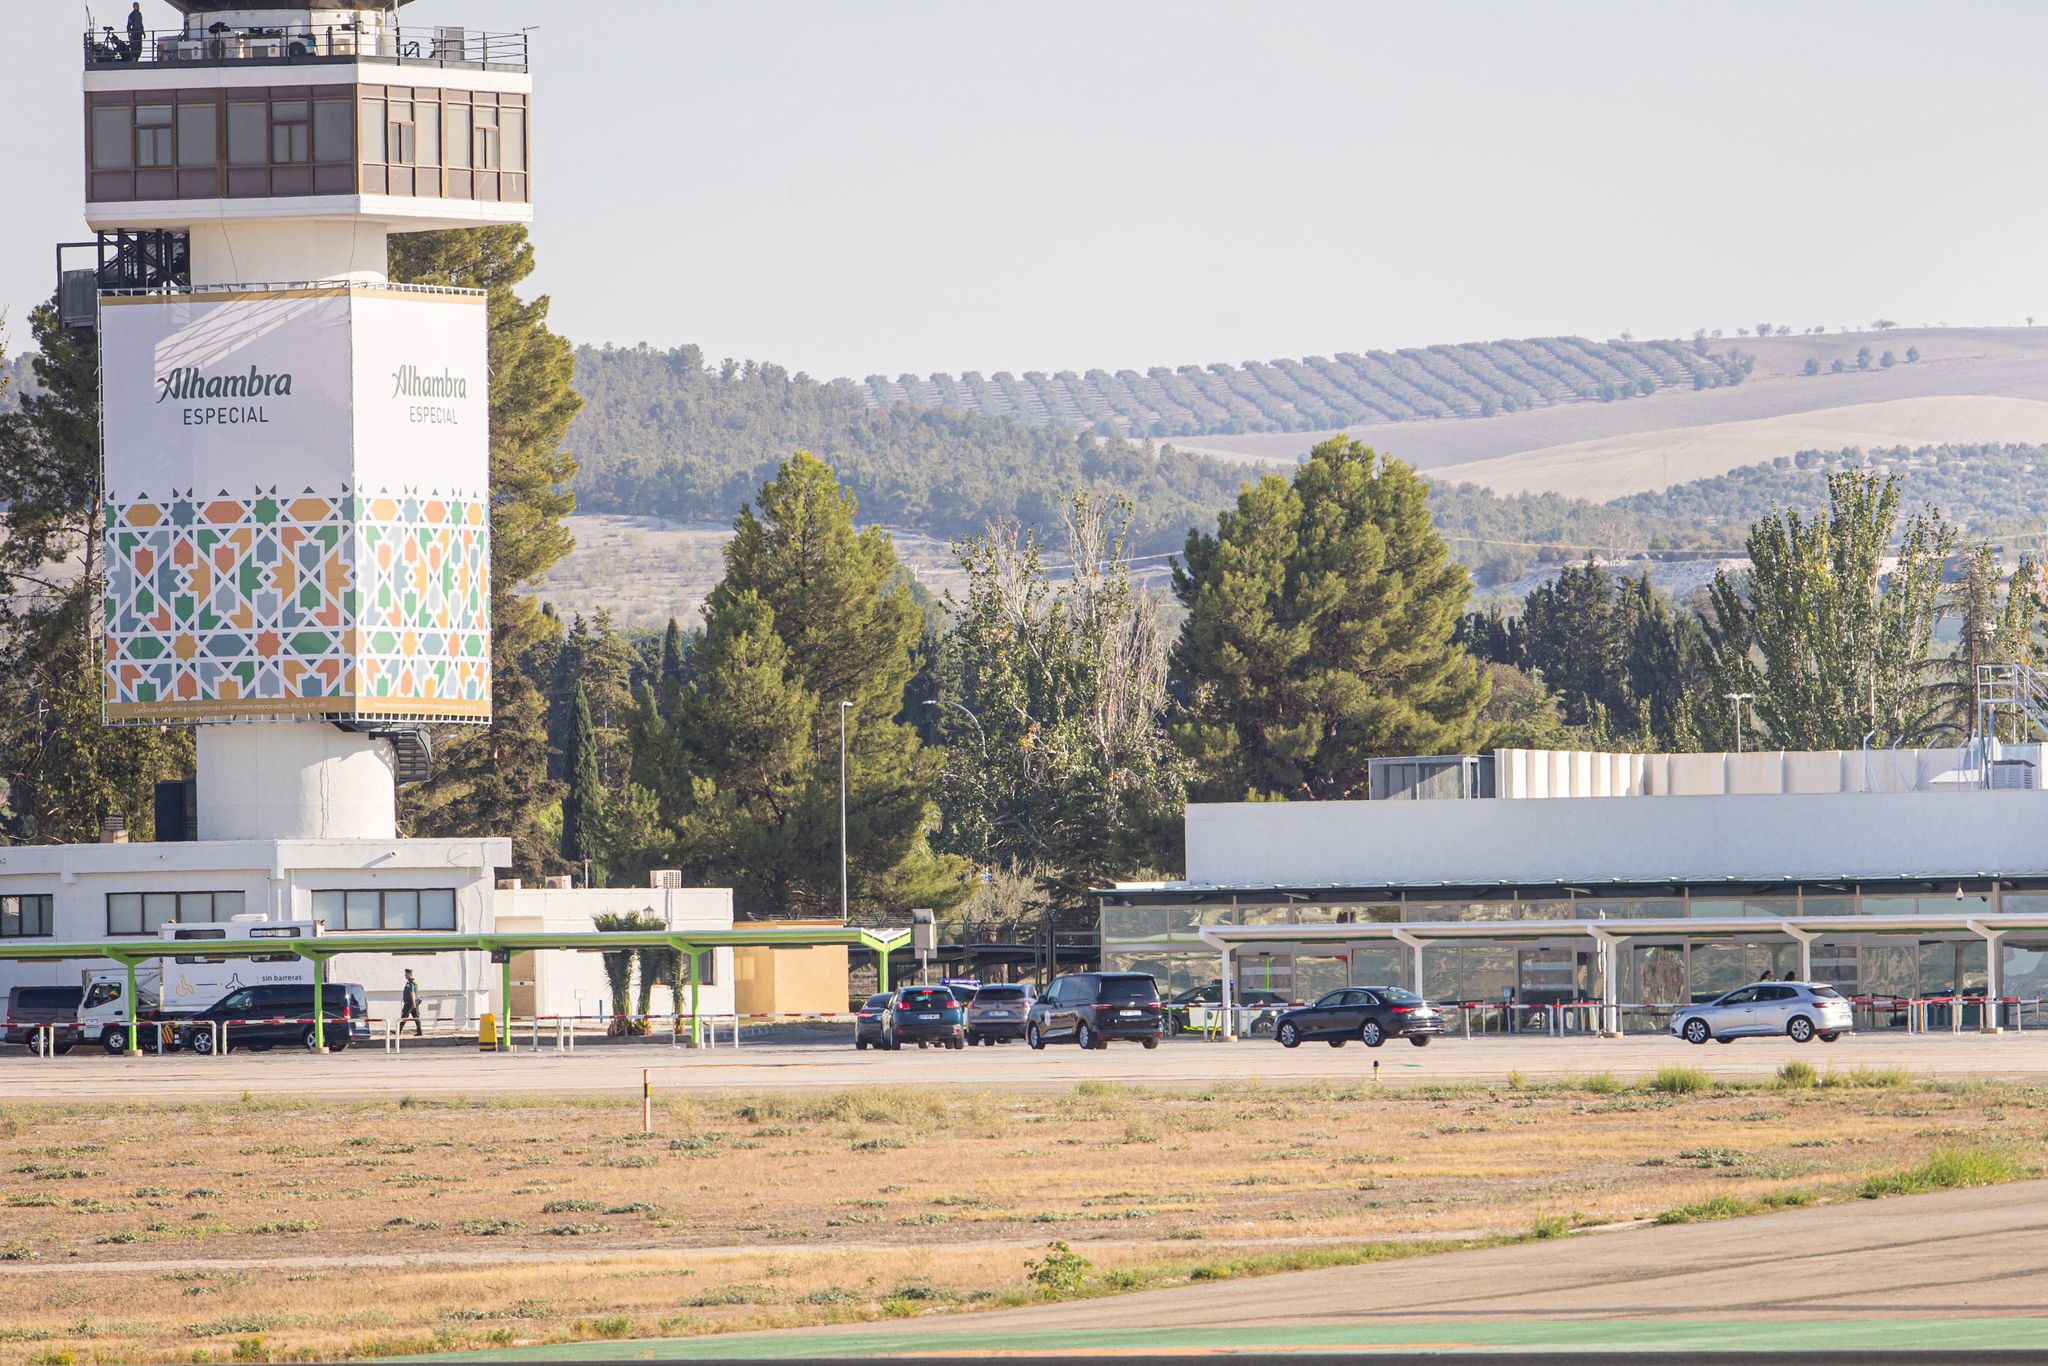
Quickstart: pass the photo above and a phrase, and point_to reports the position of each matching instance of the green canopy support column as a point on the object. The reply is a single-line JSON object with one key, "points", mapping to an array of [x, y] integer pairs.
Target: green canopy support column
{"points": [[319, 1003], [134, 1048], [696, 977], [881, 968], [505, 1002]]}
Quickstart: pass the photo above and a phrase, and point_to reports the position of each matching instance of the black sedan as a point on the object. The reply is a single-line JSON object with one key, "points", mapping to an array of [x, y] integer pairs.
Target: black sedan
{"points": [[1371, 1015]]}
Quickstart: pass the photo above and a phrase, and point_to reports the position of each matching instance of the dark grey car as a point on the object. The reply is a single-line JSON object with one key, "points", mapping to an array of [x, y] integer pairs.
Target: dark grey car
{"points": [[998, 1011]]}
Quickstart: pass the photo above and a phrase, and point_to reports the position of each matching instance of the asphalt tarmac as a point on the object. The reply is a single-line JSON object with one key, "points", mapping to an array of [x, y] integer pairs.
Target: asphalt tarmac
{"points": [[454, 1068]]}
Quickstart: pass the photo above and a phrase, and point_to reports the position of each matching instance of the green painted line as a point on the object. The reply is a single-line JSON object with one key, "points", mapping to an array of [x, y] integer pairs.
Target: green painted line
{"points": [[1820, 1336]]}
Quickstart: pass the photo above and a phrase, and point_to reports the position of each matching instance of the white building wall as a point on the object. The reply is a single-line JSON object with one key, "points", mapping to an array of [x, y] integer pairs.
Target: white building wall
{"points": [[277, 879], [568, 983], [1929, 833]]}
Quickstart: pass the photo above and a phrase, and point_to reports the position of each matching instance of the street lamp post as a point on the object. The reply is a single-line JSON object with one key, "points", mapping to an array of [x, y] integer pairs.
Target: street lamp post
{"points": [[1736, 699], [969, 711], [844, 916]]}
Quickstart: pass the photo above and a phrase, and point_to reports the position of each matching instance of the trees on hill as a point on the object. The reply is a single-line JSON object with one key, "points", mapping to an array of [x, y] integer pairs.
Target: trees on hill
{"points": [[1319, 634]]}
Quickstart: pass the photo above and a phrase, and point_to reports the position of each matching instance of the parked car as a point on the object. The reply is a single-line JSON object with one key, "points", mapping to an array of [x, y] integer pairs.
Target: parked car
{"points": [[28, 1008], [868, 1031], [1802, 1011], [997, 1012], [924, 1016], [260, 1018], [1092, 1008], [1372, 1015], [1197, 1008]]}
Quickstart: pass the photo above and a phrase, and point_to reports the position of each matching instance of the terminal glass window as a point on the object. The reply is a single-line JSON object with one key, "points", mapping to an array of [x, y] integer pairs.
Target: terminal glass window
{"points": [[399, 909], [148, 912], [26, 917], [153, 135]]}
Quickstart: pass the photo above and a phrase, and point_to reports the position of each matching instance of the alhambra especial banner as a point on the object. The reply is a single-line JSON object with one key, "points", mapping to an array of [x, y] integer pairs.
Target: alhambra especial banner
{"points": [[297, 512]]}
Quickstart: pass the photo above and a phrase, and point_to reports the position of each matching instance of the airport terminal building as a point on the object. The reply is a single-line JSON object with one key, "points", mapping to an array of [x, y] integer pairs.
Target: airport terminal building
{"points": [[1634, 880]]}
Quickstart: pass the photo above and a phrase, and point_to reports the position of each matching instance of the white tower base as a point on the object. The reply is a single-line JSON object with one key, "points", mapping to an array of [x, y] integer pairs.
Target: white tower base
{"points": [[294, 781]]}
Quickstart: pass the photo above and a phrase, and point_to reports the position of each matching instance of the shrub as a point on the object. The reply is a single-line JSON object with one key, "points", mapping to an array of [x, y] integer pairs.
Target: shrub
{"points": [[571, 1206], [1797, 1076], [1947, 1169], [1868, 1078], [1061, 1271], [1600, 1084], [1678, 1081], [1550, 1226], [1720, 1207]]}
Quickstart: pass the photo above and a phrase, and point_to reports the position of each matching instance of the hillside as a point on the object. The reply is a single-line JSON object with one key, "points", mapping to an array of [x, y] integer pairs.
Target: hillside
{"points": [[664, 436], [1475, 379], [1649, 442]]}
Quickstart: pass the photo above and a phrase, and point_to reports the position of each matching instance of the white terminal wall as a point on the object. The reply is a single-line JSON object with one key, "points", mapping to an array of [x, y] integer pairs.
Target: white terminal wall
{"points": [[575, 983], [1930, 833], [277, 879]]}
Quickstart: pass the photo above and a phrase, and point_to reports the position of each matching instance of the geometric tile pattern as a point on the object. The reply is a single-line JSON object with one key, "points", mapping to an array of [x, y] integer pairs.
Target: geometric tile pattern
{"points": [[345, 605]]}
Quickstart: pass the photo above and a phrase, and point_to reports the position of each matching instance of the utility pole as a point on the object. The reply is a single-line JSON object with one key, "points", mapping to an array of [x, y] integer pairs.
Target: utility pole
{"points": [[844, 917], [1736, 699]]}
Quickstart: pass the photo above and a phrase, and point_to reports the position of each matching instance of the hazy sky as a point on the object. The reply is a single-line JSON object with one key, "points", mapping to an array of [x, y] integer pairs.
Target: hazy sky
{"points": [[849, 188]]}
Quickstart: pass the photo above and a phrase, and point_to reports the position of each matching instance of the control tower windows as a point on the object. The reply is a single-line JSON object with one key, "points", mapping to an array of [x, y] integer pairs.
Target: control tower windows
{"points": [[113, 147], [153, 135], [198, 135], [291, 133]]}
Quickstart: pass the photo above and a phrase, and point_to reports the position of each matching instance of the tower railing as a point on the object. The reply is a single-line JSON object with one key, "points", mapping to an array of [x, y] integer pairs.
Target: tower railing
{"points": [[110, 49]]}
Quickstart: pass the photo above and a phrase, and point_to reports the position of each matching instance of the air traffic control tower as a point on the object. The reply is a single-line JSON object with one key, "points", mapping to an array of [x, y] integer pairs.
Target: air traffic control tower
{"points": [[297, 528]]}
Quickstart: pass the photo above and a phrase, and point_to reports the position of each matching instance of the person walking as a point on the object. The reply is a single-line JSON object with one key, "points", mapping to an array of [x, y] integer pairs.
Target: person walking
{"points": [[138, 31], [409, 1006]]}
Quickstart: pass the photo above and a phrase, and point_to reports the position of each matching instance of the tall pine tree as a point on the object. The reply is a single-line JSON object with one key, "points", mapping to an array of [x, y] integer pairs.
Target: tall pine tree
{"points": [[496, 782], [1320, 632], [63, 771], [809, 615]]}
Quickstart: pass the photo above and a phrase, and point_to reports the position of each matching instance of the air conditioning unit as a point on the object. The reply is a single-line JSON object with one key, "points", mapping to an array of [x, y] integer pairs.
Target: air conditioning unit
{"points": [[2012, 775], [670, 879]]}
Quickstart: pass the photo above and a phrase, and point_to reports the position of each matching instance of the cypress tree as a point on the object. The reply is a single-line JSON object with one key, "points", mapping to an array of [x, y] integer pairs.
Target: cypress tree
{"points": [[670, 684], [1321, 632], [582, 807]]}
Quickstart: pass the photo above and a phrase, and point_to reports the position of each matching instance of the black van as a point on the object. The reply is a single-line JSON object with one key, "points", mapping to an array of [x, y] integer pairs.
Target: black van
{"points": [[1091, 1008], [259, 1018]]}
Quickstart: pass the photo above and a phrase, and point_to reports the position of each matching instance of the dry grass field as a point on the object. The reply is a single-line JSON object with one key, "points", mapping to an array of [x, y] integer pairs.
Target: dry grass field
{"points": [[285, 1230]]}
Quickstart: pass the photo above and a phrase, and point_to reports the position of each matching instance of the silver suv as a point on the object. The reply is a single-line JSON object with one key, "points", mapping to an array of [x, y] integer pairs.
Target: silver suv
{"points": [[997, 1012], [1801, 1011]]}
